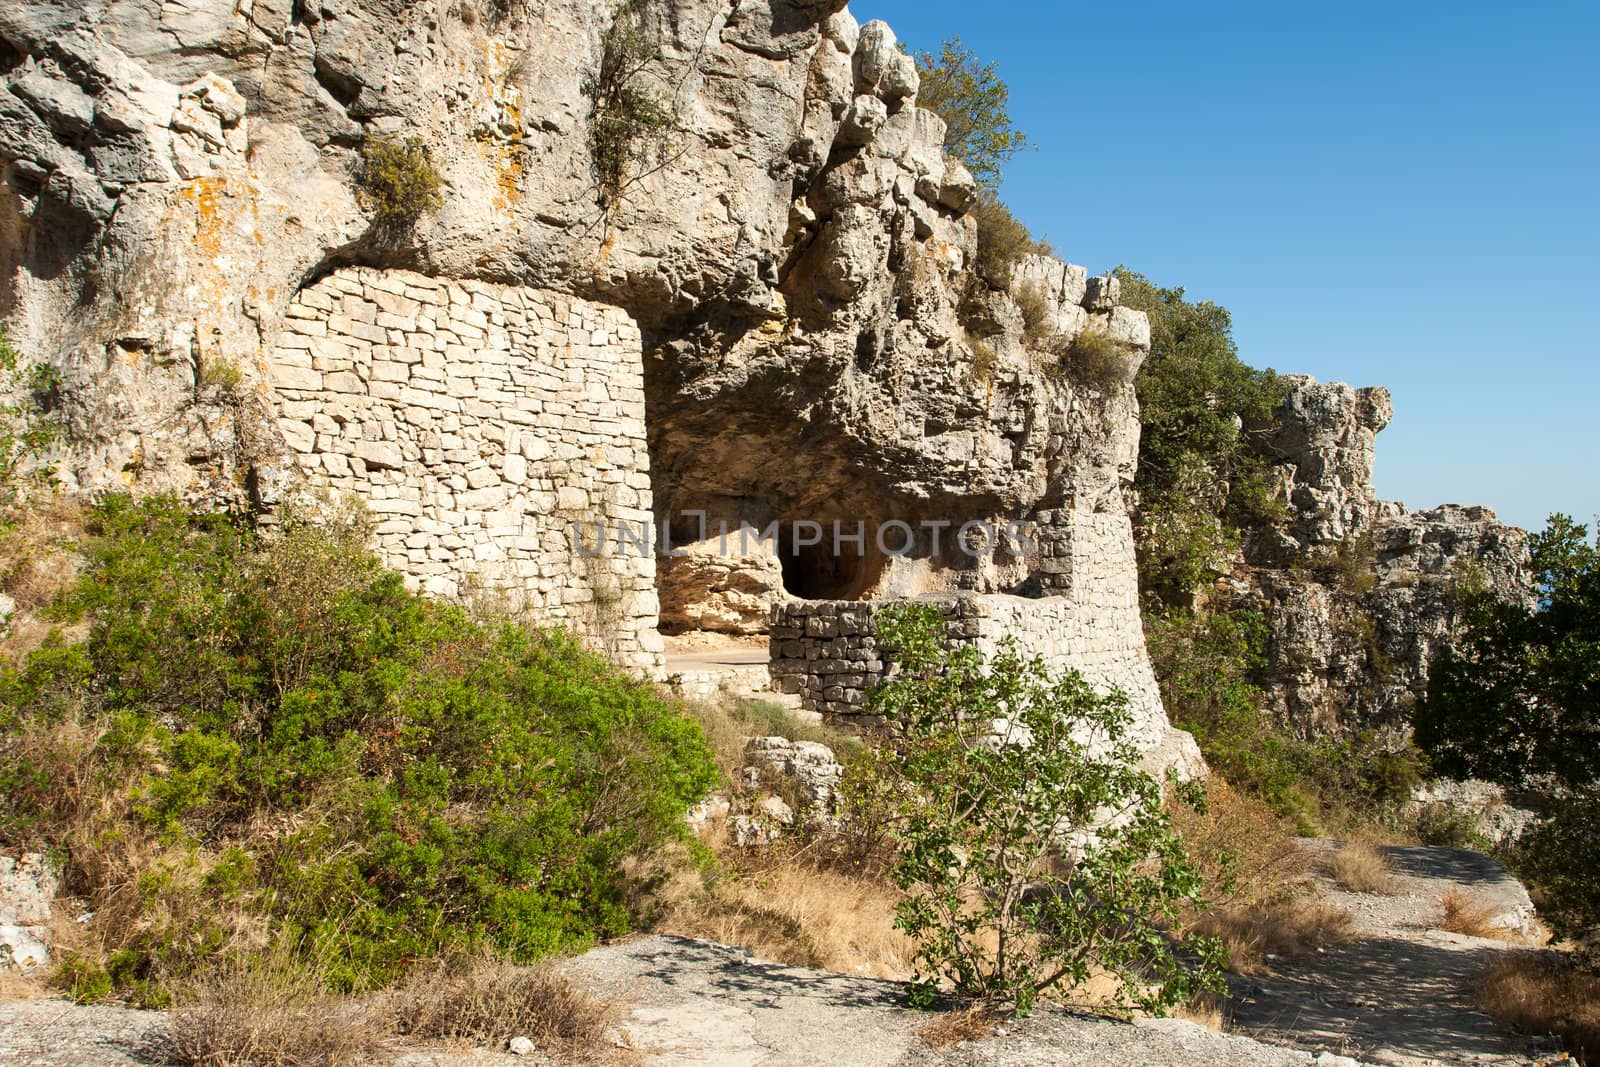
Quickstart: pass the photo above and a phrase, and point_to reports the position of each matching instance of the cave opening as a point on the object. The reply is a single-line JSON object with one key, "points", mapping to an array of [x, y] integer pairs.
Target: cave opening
{"points": [[828, 569]]}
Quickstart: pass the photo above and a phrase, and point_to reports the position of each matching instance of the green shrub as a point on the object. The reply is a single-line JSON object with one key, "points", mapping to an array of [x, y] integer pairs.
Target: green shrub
{"points": [[27, 426], [1003, 241], [275, 740], [984, 359], [629, 114], [1035, 309], [1096, 359], [397, 180], [975, 105], [1559, 857], [1203, 663], [1004, 769]]}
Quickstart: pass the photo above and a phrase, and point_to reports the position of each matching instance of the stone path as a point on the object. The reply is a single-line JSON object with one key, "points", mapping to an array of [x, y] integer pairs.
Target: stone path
{"points": [[1398, 994]]}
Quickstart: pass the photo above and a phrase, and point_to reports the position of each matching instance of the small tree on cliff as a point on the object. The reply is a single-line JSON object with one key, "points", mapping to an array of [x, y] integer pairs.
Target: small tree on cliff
{"points": [[975, 103], [1034, 852]]}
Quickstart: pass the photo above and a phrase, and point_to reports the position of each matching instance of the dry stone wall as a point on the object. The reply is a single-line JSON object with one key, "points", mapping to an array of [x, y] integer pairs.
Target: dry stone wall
{"points": [[827, 651], [479, 423]]}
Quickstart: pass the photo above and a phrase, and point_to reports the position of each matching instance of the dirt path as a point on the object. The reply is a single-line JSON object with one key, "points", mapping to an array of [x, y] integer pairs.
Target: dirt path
{"points": [[1398, 993]]}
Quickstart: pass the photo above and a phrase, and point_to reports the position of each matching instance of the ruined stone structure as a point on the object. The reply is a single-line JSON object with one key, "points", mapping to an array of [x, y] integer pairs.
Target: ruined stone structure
{"points": [[770, 316], [1358, 593], [497, 433], [828, 653]]}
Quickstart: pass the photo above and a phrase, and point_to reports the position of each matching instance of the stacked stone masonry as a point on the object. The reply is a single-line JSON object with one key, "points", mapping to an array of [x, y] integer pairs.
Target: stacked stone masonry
{"points": [[827, 651], [479, 423]]}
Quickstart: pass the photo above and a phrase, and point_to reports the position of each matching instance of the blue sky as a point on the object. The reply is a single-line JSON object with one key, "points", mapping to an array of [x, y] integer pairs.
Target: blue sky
{"points": [[1386, 194]]}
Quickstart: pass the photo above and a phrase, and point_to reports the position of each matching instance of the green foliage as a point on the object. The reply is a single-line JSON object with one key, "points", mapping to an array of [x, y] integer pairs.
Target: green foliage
{"points": [[1183, 543], [1204, 664], [1035, 310], [1095, 359], [1003, 241], [1349, 565], [221, 375], [1559, 857], [397, 180], [984, 359], [1519, 697], [975, 104], [283, 739], [1197, 401], [1003, 770], [28, 394], [629, 114]]}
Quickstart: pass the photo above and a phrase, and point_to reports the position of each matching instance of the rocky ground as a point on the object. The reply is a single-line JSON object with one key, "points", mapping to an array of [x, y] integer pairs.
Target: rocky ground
{"points": [[1394, 997]]}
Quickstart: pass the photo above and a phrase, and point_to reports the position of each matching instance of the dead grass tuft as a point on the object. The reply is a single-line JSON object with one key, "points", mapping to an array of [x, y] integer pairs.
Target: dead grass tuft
{"points": [[14, 986], [270, 1012], [1544, 993], [488, 1001], [779, 905], [958, 1027], [1261, 894], [1359, 867], [1292, 929], [1465, 912]]}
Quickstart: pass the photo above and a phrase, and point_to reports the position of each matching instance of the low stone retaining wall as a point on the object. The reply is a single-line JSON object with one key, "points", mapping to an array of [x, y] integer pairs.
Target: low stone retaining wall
{"points": [[827, 653]]}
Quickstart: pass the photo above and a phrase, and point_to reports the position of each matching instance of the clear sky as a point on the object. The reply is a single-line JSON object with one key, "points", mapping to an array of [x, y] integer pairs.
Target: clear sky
{"points": [[1398, 194]]}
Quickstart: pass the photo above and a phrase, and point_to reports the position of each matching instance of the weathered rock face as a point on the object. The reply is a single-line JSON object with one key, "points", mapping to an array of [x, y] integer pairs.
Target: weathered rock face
{"points": [[28, 887], [182, 230], [1359, 594]]}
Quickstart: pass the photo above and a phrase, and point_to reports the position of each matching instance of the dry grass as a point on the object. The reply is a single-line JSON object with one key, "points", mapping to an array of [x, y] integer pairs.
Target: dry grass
{"points": [[1359, 867], [14, 986], [1263, 903], [38, 562], [1544, 993], [271, 1011], [487, 1002], [958, 1027], [784, 904], [1291, 929], [1244, 854], [1465, 912], [268, 1012]]}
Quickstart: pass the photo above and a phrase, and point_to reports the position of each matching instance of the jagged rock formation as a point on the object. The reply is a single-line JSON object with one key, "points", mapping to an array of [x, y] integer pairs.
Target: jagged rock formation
{"points": [[1358, 594], [182, 225]]}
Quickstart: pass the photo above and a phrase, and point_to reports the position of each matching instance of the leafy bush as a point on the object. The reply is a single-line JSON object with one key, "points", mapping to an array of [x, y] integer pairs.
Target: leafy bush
{"points": [[974, 103], [1203, 664], [628, 113], [397, 180], [1035, 310], [1559, 857], [1199, 406], [27, 428], [275, 741], [1096, 359], [1519, 695], [1034, 853]]}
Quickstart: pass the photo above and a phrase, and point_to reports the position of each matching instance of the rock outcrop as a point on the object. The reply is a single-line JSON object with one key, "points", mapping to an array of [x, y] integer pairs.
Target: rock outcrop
{"points": [[779, 233], [1358, 594], [28, 887]]}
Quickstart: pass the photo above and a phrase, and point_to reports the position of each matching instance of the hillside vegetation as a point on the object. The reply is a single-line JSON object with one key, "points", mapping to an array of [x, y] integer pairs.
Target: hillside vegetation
{"points": [[269, 741]]}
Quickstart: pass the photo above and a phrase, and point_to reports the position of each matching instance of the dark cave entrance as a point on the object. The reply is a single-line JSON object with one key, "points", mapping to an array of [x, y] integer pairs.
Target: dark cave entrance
{"points": [[829, 569]]}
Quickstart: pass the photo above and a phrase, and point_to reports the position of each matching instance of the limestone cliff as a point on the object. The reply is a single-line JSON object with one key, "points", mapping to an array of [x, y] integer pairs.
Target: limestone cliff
{"points": [[767, 313], [1358, 593]]}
